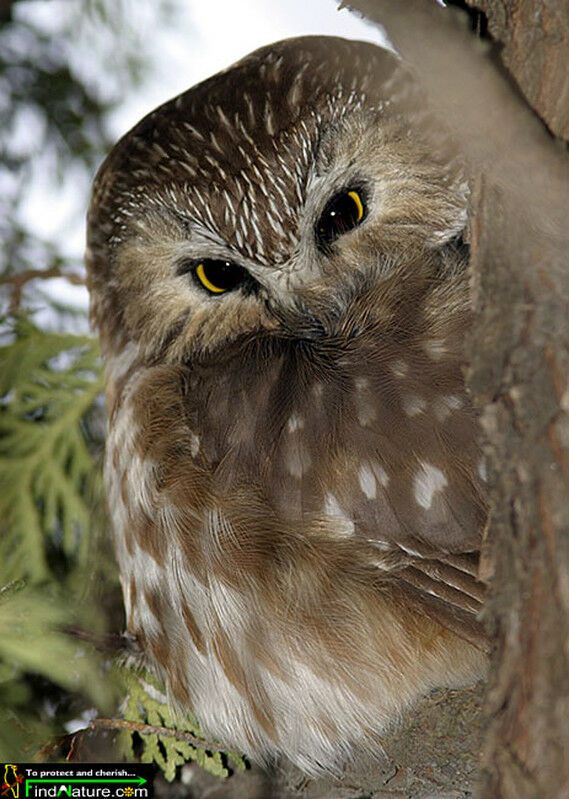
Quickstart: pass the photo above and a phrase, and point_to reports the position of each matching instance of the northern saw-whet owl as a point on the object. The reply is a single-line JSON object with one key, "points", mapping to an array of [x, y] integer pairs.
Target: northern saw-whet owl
{"points": [[292, 468]]}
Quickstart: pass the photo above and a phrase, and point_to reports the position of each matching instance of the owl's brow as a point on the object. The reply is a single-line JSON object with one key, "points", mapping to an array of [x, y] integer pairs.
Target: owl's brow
{"points": [[305, 138]]}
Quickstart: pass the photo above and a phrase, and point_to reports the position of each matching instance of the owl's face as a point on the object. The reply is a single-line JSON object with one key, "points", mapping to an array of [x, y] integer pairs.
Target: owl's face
{"points": [[269, 210]]}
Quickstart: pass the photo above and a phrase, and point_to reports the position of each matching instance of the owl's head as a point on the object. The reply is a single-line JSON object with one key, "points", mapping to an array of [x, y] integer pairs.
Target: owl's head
{"points": [[265, 201]]}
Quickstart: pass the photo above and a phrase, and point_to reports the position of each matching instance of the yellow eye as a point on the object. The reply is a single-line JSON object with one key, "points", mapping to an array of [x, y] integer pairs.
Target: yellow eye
{"points": [[342, 213], [358, 203], [219, 276]]}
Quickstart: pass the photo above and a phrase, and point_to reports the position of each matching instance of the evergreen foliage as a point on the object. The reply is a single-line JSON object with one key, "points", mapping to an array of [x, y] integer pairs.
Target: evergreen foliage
{"points": [[165, 741], [50, 485], [33, 641], [56, 575], [49, 383]]}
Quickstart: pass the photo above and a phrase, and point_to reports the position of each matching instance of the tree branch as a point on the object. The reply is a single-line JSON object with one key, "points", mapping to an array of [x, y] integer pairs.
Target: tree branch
{"points": [[153, 729], [19, 280]]}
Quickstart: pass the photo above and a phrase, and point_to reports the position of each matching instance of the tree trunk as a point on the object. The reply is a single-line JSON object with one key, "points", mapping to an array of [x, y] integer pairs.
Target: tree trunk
{"points": [[535, 44], [520, 370], [519, 353]]}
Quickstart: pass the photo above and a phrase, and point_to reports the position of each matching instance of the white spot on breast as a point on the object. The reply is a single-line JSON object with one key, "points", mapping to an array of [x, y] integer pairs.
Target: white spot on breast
{"points": [[413, 405], [345, 525], [369, 475], [444, 406], [426, 483], [332, 506], [483, 470], [435, 348], [380, 474], [295, 423], [364, 402], [367, 481], [194, 444], [298, 460]]}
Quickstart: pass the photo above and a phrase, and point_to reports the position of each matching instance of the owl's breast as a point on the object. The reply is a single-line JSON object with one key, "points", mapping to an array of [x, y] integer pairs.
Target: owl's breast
{"points": [[245, 552], [380, 447]]}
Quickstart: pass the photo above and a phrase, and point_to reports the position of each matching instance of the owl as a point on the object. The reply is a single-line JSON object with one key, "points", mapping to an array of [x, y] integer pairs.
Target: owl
{"points": [[280, 286]]}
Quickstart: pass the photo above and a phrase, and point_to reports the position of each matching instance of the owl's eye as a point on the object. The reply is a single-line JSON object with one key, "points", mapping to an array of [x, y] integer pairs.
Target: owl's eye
{"points": [[345, 211], [217, 277]]}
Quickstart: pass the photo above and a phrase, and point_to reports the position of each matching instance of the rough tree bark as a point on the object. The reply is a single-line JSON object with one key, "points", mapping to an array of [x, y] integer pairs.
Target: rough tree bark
{"points": [[527, 420], [535, 46], [519, 353]]}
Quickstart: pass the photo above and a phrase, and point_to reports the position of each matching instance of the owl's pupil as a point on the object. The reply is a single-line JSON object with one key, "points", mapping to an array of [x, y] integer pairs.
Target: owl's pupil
{"points": [[218, 276], [222, 273], [345, 211]]}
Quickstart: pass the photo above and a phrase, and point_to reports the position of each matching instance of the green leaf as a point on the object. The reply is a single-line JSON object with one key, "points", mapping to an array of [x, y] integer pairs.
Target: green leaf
{"points": [[33, 640], [48, 474], [147, 705]]}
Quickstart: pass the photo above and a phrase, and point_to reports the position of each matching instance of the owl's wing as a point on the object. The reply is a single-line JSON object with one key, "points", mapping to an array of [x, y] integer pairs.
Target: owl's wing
{"points": [[436, 546], [423, 523], [448, 589]]}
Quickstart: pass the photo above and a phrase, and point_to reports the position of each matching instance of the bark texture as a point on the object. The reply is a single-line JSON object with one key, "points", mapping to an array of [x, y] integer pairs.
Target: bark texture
{"points": [[535, 42], [519, 352], [520, 371]]}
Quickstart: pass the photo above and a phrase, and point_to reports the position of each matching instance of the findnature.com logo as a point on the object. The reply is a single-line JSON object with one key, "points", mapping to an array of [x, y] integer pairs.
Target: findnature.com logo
{"points": [[68, 781]]}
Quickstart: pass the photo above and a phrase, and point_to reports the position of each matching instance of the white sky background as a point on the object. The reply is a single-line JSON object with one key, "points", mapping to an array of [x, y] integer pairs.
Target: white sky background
{"points": [[208, 35]]}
